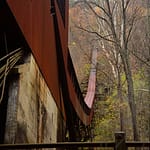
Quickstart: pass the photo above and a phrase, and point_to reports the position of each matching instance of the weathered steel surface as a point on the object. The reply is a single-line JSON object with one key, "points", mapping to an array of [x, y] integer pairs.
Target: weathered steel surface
{"points": [[63, 30], [36, 23], [35, 19]]}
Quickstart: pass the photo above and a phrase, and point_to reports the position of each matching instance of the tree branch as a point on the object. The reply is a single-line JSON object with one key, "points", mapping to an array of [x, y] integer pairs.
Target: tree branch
{"points": [[100, 8], [94, 12], [142, 60], [96, 33], [127, 3]]}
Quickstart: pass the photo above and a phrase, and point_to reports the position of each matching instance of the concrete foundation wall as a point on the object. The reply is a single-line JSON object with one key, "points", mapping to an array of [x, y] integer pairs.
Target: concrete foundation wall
{"points": [[32, 115]]}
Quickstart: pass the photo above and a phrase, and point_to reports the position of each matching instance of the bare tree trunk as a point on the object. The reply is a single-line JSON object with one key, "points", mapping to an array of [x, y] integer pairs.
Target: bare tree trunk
{"points": [[127, 69], [120, 97], [131, 99], [148, 70]]}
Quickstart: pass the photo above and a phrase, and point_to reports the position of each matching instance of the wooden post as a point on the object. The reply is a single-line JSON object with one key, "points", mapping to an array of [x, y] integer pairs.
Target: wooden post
{"points": [[120, 141]]}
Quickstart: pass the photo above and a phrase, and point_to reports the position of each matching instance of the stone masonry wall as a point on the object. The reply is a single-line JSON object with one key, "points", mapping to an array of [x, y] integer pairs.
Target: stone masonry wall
{"points": [[37, 117]]}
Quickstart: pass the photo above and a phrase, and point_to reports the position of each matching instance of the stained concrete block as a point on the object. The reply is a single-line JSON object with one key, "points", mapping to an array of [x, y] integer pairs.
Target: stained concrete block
{"points": [[37, 117]]}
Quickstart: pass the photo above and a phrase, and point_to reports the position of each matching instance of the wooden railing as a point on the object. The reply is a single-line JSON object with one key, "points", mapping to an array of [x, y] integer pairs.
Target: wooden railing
{"points": [[118, 144]]}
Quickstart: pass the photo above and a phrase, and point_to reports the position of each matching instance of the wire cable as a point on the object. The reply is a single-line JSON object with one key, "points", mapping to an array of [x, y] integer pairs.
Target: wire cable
{"points": [[11, 59]]}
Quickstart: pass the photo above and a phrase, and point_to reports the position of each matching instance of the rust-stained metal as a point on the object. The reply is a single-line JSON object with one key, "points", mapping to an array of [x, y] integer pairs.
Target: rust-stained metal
{"points": [[36, 23], [77, 101], [37, 20]]}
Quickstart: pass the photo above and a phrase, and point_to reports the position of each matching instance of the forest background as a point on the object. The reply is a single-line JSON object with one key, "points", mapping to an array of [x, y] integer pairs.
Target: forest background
{"points": [[120, 30]]}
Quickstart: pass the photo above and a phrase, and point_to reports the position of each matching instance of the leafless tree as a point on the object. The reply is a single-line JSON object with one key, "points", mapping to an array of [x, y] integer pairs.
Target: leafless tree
{"points": [[116, 20]]}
